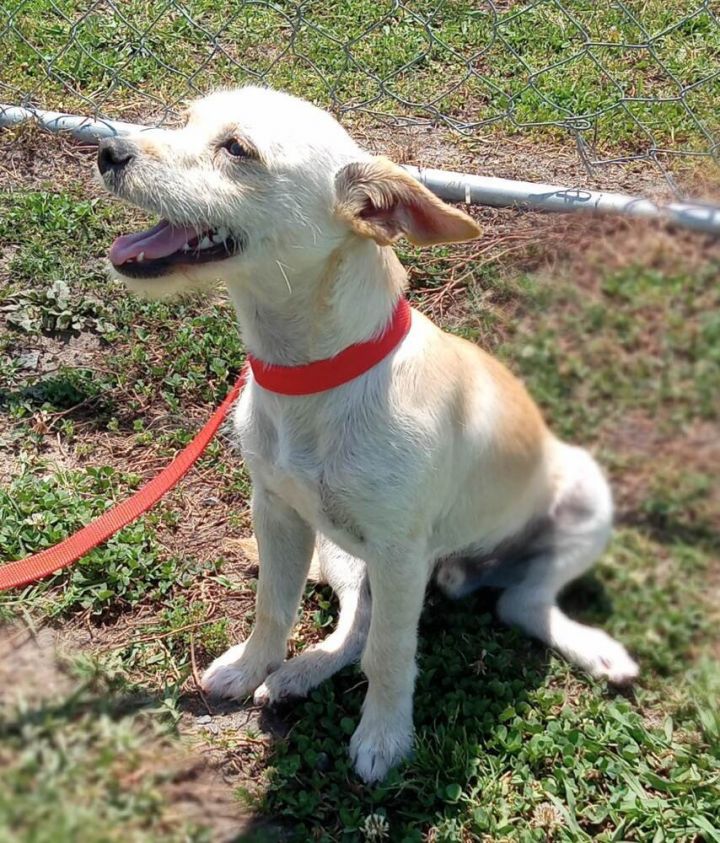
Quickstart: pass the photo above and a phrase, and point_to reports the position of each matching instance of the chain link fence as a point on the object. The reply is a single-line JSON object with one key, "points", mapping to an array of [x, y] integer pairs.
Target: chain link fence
{"points": [[625, 82]]}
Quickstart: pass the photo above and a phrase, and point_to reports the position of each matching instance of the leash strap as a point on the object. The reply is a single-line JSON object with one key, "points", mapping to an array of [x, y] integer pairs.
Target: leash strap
{"points": [[52, 559]]}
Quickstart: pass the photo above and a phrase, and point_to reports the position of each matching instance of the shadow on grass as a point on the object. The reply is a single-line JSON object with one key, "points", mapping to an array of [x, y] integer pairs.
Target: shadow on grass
{"points": [[666, 531], [85, 699], [72, 391], [475, 678]]}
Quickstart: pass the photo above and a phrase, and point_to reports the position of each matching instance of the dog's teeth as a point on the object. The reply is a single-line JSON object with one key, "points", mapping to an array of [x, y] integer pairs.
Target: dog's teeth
{"points": [[223, 233], [218, 238], [141, 257], [186, 247], [205, 243]]}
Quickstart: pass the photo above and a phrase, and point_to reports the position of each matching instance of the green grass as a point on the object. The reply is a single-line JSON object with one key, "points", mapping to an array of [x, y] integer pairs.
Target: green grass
{"points": [[536, 64], [78, 767], [501, 751], [99, 389], [652, 346], [512, 743]]}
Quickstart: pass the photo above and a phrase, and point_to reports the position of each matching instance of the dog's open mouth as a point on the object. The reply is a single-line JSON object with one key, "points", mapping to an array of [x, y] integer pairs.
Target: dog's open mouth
{"points": [[146, 254]]}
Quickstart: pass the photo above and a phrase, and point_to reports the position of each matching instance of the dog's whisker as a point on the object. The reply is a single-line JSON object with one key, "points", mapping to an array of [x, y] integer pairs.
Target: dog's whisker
{"points": [[287, 282]]}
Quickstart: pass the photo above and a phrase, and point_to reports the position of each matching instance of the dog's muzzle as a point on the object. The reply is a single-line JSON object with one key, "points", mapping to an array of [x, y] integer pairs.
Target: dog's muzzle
{"points": [[169, 245], [114, 154]]}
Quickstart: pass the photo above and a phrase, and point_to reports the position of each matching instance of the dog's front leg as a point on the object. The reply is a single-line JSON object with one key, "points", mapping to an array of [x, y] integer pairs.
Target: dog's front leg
{"points": [[285, 545], [385, 733]]}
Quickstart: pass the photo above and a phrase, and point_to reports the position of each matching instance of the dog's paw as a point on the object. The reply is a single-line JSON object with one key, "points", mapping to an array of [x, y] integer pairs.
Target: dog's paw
{"points": [[236, 673], [375, 750], [296, 678], [606, 658], [451, 578], [280, 686]]}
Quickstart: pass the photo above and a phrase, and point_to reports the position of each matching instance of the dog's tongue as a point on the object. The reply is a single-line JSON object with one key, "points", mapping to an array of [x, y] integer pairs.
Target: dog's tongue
{"points": [[157, 242]]}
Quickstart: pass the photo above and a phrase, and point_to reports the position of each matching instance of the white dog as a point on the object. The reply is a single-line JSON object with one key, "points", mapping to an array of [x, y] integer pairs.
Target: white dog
{"points": [[433, 460]]}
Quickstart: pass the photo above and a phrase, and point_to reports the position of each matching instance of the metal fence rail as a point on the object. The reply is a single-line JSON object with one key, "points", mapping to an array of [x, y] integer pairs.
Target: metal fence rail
{"points": [[454, 187], [624, 81]]}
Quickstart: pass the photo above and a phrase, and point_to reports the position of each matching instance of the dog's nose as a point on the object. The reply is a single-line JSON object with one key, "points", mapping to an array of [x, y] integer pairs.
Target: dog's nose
{"points": [[114, 154]]}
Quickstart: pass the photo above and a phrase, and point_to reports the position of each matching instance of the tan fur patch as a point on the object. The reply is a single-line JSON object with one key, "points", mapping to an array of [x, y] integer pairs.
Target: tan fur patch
{"points": [[380, 200], [519, 431], [150, 148], [522, 432]]}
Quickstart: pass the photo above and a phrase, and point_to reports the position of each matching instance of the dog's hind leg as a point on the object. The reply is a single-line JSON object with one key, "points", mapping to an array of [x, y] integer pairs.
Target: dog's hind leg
{"points": [[347, 576], [580, 522], [533, 568]]}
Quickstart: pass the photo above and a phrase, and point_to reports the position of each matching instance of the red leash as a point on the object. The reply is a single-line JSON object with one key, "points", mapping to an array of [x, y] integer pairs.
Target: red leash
{"points": [[287, 380], [46, 562]]}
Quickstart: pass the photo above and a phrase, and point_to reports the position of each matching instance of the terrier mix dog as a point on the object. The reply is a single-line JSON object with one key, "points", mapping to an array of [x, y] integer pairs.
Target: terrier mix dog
{"points": [[434, 460]]}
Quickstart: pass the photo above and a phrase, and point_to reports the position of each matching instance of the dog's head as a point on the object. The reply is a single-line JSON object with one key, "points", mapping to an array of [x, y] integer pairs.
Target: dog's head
{"points": [[256, 176]]}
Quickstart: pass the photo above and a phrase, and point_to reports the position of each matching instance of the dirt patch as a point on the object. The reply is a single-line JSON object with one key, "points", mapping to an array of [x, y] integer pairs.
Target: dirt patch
{"points": [[33, 157], [649, 451], [197, 776], [211, 523], [698, 449], [580, 250], [45, 354], [196, 791], [30, 666], [520, 158], [75, 351], [587, 248]]}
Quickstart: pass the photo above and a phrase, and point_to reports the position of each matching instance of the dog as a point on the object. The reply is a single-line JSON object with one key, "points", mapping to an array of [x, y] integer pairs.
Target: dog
{"points": [[435, 461]]}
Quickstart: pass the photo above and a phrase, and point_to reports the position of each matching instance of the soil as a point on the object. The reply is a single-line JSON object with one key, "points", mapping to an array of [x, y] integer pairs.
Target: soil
{"points": [[218, 755]]}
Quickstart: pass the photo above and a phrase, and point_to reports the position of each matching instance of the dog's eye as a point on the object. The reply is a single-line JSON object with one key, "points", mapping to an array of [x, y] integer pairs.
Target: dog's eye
{"points": [[235, 148]]}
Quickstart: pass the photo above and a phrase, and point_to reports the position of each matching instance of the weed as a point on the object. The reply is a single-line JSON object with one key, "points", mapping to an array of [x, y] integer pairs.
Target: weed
{"points": [[511, 742]]}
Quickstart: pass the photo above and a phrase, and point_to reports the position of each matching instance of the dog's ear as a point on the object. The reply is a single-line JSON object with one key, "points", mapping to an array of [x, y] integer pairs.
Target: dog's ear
{"points": [[380, 200]]}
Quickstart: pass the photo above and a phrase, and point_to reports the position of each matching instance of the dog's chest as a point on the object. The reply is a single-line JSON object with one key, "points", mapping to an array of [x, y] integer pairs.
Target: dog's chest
{"points": [[305, 459]]}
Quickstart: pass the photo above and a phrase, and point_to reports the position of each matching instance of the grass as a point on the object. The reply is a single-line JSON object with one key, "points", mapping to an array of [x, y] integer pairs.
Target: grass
{"points": [[63, 784], [633, 77], [501, 752], [614, 328], [512, 743]]}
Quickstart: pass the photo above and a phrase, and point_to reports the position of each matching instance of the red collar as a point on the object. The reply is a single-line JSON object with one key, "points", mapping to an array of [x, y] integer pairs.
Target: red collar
{"points": [[334, 371]]}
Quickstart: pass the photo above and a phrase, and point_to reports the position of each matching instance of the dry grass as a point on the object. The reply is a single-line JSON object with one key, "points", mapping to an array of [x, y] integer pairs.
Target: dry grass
{"points": [[471, 287]]}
